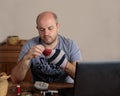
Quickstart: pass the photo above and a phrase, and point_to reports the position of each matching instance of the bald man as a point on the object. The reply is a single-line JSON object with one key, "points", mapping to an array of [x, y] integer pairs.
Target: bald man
{"points": [[50, 56]]}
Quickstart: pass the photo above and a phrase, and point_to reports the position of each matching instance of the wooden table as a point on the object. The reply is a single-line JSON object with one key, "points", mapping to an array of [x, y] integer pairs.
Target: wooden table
{"points": [[29, 87]]}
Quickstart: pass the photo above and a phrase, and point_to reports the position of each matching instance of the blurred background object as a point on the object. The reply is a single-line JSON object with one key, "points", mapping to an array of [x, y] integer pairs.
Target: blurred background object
{"points": [[12, 40], [22, 42], [3, 83]]}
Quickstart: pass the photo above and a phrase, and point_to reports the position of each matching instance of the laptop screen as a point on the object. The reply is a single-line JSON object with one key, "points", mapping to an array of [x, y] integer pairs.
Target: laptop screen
{"points": [[97, 79]]}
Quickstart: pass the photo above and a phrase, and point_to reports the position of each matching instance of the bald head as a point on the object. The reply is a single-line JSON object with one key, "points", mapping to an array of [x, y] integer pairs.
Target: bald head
{"points": [[46, 14]]}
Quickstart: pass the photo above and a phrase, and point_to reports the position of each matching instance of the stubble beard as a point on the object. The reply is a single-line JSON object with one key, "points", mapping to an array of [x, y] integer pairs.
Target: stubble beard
{"points": [[51, 42]]}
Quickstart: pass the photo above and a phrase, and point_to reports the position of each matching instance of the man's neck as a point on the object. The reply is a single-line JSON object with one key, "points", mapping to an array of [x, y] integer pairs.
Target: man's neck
{"points": [[52, 45]]}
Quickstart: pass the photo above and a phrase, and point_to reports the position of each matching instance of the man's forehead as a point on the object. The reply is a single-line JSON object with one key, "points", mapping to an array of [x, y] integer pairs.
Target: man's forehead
{"points": [[46, 23], [45, 16]]}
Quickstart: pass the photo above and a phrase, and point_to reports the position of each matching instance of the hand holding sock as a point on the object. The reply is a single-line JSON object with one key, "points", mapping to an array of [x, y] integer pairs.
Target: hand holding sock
{"points": [[56, 56]]}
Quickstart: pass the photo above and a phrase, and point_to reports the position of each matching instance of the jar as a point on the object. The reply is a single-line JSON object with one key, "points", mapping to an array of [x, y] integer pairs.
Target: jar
{"points": [[12, 40]]}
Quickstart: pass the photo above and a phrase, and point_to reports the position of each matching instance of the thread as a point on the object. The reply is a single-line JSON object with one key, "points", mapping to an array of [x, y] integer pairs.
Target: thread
{"points": [[18, 90]]}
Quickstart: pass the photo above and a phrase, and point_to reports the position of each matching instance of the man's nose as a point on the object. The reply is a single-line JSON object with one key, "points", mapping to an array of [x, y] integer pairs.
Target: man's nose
{"points": [[46, 32]]}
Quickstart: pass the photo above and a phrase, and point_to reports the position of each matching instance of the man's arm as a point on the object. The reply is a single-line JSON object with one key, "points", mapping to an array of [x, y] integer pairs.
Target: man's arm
{"points": [[70, 69], [19, 71]]}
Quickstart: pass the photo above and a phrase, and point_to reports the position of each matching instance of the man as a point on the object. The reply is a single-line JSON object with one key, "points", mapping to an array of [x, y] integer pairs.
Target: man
{"points": [[50, 56]]}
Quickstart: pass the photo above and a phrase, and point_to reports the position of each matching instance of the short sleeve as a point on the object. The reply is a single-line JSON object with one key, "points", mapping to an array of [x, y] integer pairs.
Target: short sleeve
{"points": [[75, 52]]}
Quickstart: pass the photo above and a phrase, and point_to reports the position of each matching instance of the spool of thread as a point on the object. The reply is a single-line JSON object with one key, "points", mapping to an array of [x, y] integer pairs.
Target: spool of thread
{"points": [[18, 90]]}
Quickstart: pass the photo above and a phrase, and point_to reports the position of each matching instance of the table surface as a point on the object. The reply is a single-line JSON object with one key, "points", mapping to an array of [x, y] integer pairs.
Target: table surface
{"points": [[29, 87]]}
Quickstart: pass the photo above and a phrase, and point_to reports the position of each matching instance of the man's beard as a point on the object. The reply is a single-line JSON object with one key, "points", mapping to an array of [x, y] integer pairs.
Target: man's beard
{"points": [[51, 42]]}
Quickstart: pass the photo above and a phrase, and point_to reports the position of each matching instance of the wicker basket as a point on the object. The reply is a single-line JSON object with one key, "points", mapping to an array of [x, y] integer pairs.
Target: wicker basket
{"points": [[3, 84]]}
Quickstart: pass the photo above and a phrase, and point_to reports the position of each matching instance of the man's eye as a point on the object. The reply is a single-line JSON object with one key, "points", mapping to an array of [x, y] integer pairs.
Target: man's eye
{"points": [[41, 29], [50, 28]]}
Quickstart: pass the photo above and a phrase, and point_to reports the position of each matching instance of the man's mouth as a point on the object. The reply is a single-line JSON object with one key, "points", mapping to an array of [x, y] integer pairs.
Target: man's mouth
{"points": [[47, 37]]}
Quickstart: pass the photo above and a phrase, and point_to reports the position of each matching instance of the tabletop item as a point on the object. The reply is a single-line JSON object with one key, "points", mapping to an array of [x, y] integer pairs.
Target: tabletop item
{"points": [[18, 90], [49, 92], [3, 84], [28, 89], [41, 85], [12, 40]]}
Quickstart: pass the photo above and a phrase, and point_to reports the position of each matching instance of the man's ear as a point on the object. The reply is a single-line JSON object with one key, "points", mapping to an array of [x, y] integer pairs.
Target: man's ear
{"points": [[58, 25]]}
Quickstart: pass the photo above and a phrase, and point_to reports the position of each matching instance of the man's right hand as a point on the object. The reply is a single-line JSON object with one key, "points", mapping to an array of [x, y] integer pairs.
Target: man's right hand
{"points": [[34, 51]]}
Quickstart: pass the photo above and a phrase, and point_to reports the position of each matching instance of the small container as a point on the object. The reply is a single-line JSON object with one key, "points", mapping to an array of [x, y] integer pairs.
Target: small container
{"points": [[12, 40], [18, 90]]}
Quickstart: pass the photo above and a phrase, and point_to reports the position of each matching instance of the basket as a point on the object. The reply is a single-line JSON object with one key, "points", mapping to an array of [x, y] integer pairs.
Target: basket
{"points": [[3, 84]]}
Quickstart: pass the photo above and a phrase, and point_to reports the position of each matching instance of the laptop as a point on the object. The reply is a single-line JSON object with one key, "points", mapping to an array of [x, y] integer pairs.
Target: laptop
{"points": [[97, 79]]}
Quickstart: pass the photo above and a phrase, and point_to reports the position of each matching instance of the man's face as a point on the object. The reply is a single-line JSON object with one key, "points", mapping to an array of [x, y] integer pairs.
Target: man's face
{"points": [[47, 29]]}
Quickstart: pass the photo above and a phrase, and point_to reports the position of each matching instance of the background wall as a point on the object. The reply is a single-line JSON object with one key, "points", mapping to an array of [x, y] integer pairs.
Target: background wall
{"points": [[93, 24]]}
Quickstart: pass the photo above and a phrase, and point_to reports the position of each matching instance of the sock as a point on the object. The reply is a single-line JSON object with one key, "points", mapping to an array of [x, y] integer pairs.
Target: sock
{"points": [[56, 56]]}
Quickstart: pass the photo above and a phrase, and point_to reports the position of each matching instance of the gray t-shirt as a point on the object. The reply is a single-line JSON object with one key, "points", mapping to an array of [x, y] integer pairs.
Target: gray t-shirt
{"points": [[43, 70]]}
